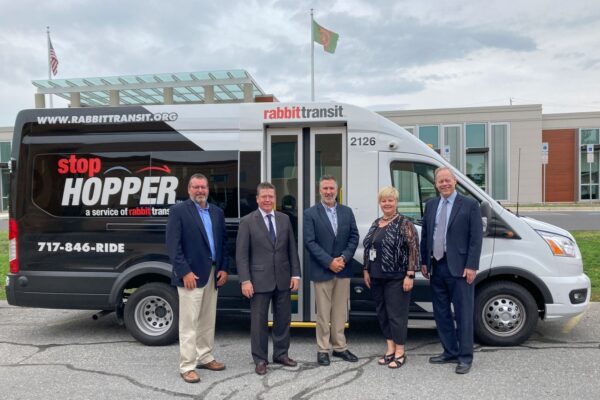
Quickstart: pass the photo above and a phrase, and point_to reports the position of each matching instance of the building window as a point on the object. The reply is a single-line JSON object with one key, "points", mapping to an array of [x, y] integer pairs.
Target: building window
{"points": [[476, 167], [5, 149], [430, 135], [588, 172], [475, 136], [410, 129], [452, 139], [499, 139]]}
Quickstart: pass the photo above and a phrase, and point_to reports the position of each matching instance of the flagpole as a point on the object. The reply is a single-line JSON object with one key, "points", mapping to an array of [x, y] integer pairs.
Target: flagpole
{"points": [[312, 57], [49, 63]]}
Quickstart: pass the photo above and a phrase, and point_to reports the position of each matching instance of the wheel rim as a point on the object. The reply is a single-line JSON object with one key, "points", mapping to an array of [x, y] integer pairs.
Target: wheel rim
{"points": [[504, 315], [153, 315]]}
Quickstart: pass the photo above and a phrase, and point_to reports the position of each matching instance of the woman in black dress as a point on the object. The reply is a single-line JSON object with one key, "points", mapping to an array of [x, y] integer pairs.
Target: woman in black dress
{"points": [[391, 257]]}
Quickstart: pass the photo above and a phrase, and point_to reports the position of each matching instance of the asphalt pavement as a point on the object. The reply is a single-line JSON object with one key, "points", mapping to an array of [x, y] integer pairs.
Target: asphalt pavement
{"points": [[569, 220], [64, 354]]}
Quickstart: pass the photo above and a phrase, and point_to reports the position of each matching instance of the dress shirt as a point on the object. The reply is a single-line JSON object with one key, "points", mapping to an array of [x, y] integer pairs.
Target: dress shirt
{"points": [[450, 199], [332, 215], [205, 216], [266, 220]]}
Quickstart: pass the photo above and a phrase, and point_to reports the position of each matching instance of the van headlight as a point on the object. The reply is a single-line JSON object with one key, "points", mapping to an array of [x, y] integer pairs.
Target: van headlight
{"points": [[561, 246]]}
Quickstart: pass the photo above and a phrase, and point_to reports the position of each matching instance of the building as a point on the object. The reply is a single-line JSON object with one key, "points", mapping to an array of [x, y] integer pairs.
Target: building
{"points": [[501, 149]]}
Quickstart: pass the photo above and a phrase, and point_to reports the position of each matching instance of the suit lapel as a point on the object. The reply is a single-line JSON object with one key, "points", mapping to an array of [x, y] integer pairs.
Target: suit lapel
{"points": [[455, 207], [212, 212], [323, 215], [259, 220], [434, 207], [197, 220], [278, 227]]}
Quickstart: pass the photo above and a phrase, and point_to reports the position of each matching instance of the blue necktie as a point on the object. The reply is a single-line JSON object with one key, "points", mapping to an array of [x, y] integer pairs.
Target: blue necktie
{"points": [[271, 228]]}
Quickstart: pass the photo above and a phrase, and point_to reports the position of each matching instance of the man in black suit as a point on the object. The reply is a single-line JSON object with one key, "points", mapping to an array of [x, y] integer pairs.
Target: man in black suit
{"points": [[268, 265], [451, 238], [197, 245], [331, 238]]}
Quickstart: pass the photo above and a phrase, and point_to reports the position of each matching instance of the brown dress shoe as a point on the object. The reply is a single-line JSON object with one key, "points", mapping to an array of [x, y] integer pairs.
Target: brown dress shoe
{"points": [[285, 360], [191, 376], [214, 365], [261, 368]]}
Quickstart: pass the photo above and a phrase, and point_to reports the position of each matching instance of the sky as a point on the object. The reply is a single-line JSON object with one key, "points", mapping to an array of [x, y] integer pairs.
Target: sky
{"points": [[391, 55]]}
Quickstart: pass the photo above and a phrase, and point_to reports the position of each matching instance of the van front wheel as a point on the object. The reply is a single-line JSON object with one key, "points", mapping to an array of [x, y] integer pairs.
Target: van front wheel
{"points": [[151, 314], [506, 314]]}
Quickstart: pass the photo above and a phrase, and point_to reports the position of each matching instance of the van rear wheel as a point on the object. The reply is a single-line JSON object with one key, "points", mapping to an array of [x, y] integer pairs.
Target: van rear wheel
{"points": [[506, 314], [151, 314]]}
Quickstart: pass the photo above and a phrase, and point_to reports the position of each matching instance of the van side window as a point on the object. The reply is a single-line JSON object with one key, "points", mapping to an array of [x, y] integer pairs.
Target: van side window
{"points": [[416, 184]]}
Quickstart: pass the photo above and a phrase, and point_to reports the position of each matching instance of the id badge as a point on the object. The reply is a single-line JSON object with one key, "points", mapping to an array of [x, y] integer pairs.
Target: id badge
{"points": [[372, 254]]}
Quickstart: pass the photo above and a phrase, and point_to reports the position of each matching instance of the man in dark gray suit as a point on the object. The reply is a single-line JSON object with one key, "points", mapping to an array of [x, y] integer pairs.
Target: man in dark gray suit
{"points": [[331, 238], [451, 239], [268, 265]]}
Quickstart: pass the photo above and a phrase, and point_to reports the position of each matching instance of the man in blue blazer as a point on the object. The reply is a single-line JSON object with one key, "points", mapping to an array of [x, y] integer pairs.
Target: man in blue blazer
{"points": [[331, 238], [197, 245], [451, 238]]}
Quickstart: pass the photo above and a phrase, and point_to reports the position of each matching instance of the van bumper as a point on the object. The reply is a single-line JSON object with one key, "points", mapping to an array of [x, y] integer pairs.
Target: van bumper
{"points": [[566, 304]]}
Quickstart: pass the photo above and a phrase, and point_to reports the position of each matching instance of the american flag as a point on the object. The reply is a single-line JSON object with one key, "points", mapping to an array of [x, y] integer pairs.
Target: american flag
{"points": [[53, 59]]}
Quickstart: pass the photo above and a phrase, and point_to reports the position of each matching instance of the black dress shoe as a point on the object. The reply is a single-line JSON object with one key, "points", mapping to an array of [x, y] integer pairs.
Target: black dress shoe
{"points": [[462, 368], [345, 355], [285, 360], [323, 358], [261, 368], [442, 359]]}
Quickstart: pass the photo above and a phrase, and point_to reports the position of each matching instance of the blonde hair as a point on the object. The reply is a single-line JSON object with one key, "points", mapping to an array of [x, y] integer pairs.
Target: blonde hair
{"points": [[388, 191]]}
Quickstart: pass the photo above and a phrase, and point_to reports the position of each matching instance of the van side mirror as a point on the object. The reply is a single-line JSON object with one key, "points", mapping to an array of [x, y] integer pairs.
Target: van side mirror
{"points": [[486, 216]]}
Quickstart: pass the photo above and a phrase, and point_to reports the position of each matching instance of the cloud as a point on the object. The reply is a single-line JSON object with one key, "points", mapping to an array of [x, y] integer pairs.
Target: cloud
{"points": [[414, 54]]}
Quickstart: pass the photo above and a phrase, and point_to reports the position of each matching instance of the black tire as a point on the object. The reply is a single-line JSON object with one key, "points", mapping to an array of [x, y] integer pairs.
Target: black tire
{"points": [[506, 314], [151, 314]]}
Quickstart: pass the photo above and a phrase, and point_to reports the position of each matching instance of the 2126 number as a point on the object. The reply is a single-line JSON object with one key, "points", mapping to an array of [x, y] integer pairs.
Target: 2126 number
{"points": [[362, 141]]}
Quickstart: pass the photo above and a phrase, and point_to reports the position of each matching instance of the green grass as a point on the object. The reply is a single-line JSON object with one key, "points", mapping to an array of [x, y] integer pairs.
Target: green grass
{"points": [[588, 241], [589, 244], [3, 262]]}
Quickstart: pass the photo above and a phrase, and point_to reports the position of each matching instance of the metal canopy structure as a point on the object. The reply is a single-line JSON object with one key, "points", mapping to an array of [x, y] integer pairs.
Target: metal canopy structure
{"points": [[166, 88]]}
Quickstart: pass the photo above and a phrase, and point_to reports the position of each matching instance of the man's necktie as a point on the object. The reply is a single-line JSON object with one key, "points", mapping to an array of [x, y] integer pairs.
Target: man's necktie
{"points": [[271, 228], [440, 233]]}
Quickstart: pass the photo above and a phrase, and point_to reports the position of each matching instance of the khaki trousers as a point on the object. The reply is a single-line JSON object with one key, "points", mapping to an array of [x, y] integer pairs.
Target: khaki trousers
{"points": [[197, 315], [332, 312]]}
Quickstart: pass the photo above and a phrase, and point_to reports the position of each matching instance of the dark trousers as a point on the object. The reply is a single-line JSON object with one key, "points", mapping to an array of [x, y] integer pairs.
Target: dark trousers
{"points": [[457, 340], [259, 318], [391, 304]]}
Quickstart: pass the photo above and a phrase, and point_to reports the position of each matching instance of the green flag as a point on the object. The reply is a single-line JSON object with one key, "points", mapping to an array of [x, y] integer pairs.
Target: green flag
{"points": [[325, 37]]}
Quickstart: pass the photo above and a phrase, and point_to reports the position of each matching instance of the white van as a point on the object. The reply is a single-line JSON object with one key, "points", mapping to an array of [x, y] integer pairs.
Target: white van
{"points": [[91, 188]]}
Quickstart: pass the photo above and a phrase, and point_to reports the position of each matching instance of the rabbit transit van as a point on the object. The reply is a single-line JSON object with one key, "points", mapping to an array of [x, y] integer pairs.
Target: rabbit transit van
{"points": [[91, 190]]}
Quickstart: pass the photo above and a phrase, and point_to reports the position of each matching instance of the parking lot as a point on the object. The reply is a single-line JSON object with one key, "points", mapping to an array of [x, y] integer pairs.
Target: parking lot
{"points": [[65, 354]]}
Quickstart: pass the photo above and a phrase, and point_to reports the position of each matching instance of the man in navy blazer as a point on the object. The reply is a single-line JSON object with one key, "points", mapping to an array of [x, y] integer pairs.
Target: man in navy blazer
{"points": [[451, 238], [197, 245], [331, 238]]}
